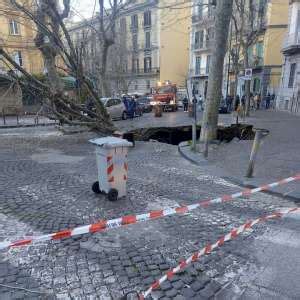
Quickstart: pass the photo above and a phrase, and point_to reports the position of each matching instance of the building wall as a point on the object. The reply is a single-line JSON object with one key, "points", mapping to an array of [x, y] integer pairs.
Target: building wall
{"points": [[23, 41], [175, 26], [288, 98], [142, 81]]}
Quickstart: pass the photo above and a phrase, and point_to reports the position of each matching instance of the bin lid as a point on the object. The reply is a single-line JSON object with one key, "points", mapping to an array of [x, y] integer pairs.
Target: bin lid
{"points": [[110, 142]]}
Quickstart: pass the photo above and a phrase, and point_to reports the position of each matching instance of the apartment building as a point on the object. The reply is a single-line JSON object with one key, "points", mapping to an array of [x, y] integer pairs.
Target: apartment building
{"points": [[151, 46], [17, 38], [264, 55], [201, 45], [288, 98]]}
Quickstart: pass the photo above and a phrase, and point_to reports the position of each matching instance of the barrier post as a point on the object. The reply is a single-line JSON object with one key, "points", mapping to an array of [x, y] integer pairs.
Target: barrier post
{"points": [[259, 135]]}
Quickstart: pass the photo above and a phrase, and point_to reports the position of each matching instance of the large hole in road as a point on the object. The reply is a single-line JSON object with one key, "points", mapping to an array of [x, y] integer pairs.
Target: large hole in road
{"points": [[178, 134]]}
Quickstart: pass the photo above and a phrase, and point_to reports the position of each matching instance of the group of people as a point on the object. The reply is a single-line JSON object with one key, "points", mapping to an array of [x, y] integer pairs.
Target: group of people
{"points": [[198, 99], [255, 101], [130, 104]]}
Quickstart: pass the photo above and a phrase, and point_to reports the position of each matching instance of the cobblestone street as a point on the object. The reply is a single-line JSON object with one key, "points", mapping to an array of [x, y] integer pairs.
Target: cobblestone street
{"points": [[45, 186]]}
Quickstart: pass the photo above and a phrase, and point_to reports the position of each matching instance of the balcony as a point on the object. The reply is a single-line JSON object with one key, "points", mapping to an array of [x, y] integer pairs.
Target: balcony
{"points": [[291, 44], [204, 46], [144, 72], [202, 72], [203, 20], [134, 73]]}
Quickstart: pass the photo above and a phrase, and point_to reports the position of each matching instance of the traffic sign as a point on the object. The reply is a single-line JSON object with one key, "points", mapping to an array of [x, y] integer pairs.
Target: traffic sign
{"points": [[248, 74]]}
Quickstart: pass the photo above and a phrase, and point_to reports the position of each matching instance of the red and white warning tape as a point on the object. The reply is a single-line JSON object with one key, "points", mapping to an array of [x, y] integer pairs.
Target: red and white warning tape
{"points": [[210, 247], [133, 219]]}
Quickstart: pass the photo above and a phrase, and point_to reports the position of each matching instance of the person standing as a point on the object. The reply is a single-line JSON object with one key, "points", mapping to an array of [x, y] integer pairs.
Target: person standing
{"points": [[200, 101], [268, 101], [272, 105], [258, 101], [185, 103], [237, 102]]}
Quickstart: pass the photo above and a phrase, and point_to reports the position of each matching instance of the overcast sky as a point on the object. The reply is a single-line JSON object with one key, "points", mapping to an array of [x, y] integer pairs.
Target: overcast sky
{"points": [[83, 8]]}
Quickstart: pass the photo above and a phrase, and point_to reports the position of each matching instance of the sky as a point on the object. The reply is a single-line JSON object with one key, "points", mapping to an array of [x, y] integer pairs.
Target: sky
{"points": [[82, 8]]}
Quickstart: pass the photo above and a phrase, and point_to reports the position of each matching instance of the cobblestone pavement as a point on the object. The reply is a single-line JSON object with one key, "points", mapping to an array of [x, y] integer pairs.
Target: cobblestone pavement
{"points": [[45, 186], [278, 156]]}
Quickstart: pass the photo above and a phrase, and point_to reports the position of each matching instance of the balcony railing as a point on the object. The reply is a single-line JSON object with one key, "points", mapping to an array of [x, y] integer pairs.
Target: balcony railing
{"points": [[135, 72], [206, 45], [291, 42], [202, 18], [292, 39], [199, 72], [144, 71]]}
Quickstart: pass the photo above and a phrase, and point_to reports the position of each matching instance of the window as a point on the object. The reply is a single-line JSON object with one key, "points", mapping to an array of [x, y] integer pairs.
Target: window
{"points": [[208, 63], [147, 64], [110, 103], [135, 65], [198, 65], [250, 55], [17, 56], [210, 34], [135, 42], [292, 75], [259, 53], [134, 22], [147, 40], [199, 38], [148, 84], [147, 18], [14, 27], [200, 8], [123, 25], [256, 85]]}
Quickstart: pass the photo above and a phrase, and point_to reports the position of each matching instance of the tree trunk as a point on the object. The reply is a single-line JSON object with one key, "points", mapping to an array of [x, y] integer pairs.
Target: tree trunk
{"points": [[211, 112], [105, 90], [247, 84], [236, 78]]}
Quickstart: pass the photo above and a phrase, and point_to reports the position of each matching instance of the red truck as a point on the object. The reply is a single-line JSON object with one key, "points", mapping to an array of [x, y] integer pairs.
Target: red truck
{"points": [[165, 95]]}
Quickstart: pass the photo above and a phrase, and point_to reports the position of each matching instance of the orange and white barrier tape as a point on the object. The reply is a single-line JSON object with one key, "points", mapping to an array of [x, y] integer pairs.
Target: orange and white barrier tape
{"points": [[133, 219], [210, 247]]}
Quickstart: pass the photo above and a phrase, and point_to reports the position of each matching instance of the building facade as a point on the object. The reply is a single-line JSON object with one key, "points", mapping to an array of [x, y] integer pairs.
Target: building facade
{"points": [[288, 98], [155, 37], [151, 46], [17, 38], [265, 57], [201, 45]]}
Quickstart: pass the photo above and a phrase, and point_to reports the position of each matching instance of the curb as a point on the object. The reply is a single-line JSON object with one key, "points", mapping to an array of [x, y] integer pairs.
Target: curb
{"points": [[27, 125], [232, 179]]}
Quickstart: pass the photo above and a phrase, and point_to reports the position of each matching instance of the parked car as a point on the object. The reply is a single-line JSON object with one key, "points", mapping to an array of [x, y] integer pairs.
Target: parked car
{"points": [[115, 107], [144, 102]]}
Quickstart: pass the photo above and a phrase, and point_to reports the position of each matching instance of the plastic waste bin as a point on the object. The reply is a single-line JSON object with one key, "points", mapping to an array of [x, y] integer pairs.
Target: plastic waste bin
{"points": [[111, 156]]}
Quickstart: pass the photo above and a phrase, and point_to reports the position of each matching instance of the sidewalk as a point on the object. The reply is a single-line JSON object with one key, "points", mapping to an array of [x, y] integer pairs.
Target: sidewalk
{"points": [[278, 156], [25, 121]]}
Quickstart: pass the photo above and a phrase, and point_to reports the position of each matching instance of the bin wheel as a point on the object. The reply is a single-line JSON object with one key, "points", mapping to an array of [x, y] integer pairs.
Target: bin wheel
{"points": [[96, 188], [113, 195]]}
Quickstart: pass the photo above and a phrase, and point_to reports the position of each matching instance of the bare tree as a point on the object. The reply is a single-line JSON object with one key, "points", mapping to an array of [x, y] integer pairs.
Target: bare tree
{"points": [[248, 26], [210, 117], [57, 48]]}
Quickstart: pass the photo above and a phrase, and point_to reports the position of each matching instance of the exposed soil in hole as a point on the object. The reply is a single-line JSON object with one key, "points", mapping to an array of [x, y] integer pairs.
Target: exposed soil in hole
{"points": [[176, 135]]}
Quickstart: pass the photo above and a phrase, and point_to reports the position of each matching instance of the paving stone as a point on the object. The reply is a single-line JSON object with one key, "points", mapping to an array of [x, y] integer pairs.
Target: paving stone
{"points": [[178, 284], [166, 286], [188, 293], [171, 293]]}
